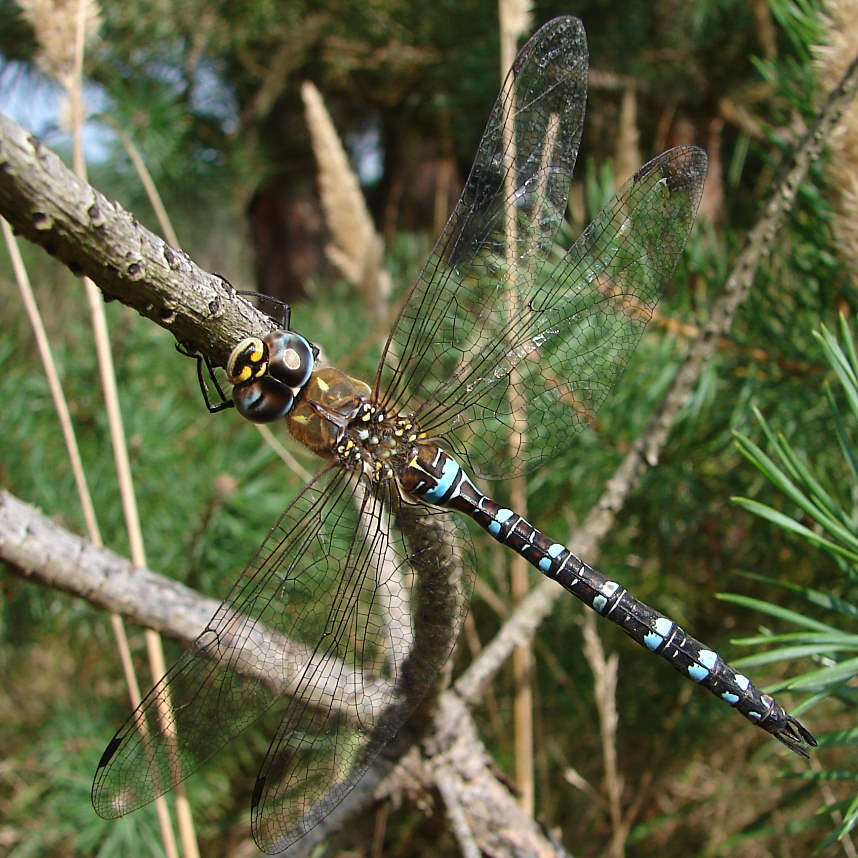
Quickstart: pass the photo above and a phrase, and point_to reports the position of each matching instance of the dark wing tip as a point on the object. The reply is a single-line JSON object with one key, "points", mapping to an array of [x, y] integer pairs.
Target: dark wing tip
{"points": [[109, 751], [105, 805], [682, 167], [564, 30], [677, 166]]}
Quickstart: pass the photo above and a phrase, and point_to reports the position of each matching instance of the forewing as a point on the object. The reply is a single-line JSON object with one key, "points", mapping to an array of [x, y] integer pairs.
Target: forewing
{"points": [[524, 163], [565, 329]]}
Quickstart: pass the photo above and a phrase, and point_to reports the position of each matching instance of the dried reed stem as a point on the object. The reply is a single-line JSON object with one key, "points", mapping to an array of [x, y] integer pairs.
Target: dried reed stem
{"points": [[52, 21], [355, 247], [513, 21], [832, 60]]}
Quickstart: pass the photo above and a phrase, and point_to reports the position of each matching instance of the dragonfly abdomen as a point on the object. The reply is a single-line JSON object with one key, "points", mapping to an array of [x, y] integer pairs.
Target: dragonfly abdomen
{"points": [[437, 478]]}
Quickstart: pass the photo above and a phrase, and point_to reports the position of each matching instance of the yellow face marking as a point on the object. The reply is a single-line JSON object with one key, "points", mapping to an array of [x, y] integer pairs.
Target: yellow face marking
{"points": [[245, 355], [323, 385]]}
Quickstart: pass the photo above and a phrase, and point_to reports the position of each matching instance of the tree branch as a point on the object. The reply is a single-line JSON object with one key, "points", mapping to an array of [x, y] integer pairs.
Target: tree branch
{"points": [[48, 204], [38, 549]]}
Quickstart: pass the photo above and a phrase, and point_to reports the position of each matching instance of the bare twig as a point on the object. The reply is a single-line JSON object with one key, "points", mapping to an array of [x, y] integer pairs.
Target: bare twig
{"points": [[605, 682], [42, 551], [458, 820]]}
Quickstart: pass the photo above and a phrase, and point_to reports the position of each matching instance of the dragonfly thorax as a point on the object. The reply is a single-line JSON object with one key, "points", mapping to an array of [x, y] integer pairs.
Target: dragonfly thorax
{"points": [[335, 417]]}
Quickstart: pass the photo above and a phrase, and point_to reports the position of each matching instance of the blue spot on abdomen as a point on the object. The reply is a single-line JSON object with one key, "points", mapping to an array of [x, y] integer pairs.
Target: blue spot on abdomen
{"points": [[653, 641], [502, 516], [554, 551], [697, 672], [663, 626], [707, 659], [444, 482]]}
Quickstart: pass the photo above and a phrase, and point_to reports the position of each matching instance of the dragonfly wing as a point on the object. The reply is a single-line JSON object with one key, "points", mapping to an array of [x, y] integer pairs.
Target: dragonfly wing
{"points": [[571, 326], [251, 653], [402, 606], [525, 160], [504, 338], [331, 621]]}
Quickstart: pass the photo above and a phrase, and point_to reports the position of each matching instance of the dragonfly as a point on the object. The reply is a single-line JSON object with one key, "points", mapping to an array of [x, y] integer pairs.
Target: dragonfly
{"points": [[504, 347]]}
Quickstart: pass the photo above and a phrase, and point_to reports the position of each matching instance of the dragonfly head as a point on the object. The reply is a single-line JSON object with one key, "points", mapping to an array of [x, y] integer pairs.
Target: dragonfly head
{"points": [[269, 373]]}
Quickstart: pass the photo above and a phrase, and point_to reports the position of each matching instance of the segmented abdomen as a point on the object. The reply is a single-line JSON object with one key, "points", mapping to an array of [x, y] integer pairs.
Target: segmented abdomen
{"points": [[437, 478]]}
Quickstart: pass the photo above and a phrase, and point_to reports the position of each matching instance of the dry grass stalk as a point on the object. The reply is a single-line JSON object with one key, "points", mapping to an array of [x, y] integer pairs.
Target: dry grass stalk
{"points": [[832, 60], [355, 248], [627, 153], [53, 21], [514, 21], [62, 29]]}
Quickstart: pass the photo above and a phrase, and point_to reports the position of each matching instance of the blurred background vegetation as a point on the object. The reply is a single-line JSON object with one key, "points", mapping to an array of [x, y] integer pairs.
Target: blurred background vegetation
{"points": [[210, 94]]}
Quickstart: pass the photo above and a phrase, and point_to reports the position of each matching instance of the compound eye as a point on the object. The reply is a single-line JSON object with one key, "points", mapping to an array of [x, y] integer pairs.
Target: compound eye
{"points": [[263, 401], [247, 361], [290, 358]]}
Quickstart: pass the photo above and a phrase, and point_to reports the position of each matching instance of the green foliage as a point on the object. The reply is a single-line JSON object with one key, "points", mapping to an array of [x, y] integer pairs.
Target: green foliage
{"points": [[802, 27], [821, 510], [209, 490]]}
